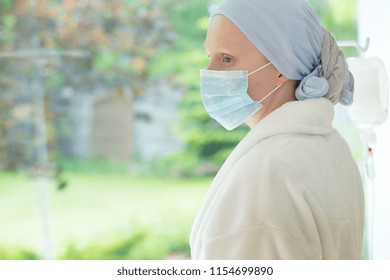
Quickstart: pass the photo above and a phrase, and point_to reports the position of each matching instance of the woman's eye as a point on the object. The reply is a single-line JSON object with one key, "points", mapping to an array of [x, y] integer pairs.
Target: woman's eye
{"points": [[226, 59]]}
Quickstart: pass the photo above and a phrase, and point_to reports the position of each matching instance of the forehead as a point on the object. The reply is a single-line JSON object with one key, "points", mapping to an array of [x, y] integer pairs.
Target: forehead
{"points": [[222, 33]]}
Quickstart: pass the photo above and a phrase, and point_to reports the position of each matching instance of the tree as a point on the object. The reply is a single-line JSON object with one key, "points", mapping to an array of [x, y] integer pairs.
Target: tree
{"points": [[117, 40]]}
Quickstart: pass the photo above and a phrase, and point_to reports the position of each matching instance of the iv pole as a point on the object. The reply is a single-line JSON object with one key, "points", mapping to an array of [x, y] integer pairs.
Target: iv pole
{"points": [[42, 163], [368, 138]]}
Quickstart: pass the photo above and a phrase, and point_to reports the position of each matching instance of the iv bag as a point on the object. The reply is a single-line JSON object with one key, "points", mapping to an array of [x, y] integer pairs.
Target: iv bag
{"points": [[370, 105]]}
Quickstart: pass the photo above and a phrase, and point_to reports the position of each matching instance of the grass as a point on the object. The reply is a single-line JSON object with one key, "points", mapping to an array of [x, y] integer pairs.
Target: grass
{"points": [[100, 209]]}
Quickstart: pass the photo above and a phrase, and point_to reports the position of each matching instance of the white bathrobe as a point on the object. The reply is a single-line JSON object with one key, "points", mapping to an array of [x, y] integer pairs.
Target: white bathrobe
{"points": [[290, 190]]}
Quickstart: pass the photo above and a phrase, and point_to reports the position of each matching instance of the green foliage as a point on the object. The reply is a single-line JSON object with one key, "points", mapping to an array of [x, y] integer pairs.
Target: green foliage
{"points": [[56, 80], [93, 166], [114, 41], [142, 245], [186, 56], [6, 5], [9, 22], [106, 60], [203, 135], [101, 216], [177, 165], [340, 17], [18, 254], [117, 250]]}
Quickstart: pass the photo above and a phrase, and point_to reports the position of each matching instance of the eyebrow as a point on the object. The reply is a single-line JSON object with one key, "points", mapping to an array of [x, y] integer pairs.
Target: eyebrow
{"points": [[220, 51]]}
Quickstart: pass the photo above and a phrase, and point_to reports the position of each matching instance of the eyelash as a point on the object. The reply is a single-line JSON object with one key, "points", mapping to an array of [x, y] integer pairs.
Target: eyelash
{"points": [[224, 58]]}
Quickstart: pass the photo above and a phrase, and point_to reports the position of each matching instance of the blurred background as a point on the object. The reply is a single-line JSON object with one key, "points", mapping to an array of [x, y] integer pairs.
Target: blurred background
{"points": [[106, 151]]}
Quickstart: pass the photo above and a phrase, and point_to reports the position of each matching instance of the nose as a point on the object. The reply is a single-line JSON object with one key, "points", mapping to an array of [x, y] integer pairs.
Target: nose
{"points": [[212, 65]]}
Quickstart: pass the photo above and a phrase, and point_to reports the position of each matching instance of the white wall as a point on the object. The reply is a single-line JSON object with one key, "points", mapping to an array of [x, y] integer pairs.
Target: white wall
{"points": [[374, 22], [156, 113]]}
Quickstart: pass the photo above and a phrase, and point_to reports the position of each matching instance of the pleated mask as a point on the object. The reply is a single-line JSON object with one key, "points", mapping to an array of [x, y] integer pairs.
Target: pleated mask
{"points": [[225, 96]]}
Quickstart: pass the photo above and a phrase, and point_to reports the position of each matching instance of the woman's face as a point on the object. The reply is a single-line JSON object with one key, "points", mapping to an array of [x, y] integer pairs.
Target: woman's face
{"points": [[229, 49]]}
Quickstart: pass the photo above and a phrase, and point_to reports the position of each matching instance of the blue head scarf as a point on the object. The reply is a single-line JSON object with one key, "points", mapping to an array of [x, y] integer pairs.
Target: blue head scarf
{"points": [[289, 34]]}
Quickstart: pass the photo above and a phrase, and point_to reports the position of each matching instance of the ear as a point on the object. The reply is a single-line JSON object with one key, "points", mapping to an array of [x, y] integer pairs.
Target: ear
{"points": [[281, 79]]}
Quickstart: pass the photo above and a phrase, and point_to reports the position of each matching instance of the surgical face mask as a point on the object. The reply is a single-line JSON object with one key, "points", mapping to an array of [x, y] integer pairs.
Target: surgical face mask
{"points": [[225, 96]]}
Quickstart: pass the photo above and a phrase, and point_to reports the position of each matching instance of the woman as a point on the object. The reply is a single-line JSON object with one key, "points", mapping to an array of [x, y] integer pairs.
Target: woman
{"points": [[290, 189]]}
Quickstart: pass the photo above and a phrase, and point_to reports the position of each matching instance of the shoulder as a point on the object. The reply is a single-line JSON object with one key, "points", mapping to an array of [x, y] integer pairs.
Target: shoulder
{"points": [[304, 156], [273, 155]]}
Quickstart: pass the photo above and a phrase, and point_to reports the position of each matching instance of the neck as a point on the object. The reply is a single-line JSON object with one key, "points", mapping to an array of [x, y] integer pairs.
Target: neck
{"points": [[284, 94]]}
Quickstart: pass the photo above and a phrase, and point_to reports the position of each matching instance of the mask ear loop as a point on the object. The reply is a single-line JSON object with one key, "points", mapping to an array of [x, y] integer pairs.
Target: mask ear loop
{"points": [[275, 89], [262, 67]]}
